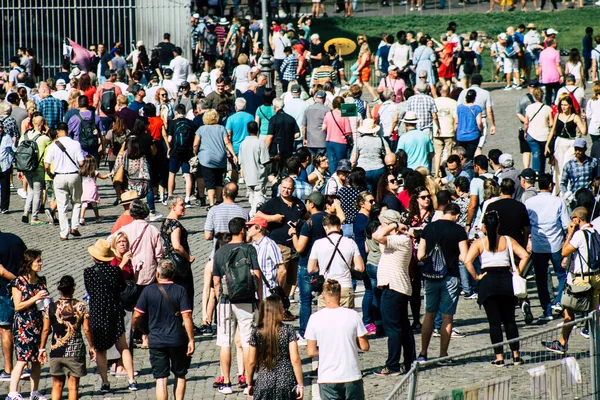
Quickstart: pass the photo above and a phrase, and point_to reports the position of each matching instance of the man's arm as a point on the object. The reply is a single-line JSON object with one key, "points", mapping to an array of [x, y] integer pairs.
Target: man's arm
{"points": [[359, 263], [135, 319], [473, 204], [313, 266], [363, 343], [268, 141], [491, 120], [422, 251], [312, 350], [217, 286], [257, 274], [189, 330]]}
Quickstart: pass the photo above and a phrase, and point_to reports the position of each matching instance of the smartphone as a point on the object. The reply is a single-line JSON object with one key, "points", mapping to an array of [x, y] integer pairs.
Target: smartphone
{"points": [[291, 224]]}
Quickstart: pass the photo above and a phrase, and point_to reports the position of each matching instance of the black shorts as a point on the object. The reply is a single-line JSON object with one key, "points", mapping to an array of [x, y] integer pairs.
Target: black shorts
{"points": [[165, 359], [523, 145], [213, 177], [211, 58]]}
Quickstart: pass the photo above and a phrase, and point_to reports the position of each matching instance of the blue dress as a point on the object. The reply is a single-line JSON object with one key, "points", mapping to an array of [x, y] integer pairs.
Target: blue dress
{"points": [[423, 59]]}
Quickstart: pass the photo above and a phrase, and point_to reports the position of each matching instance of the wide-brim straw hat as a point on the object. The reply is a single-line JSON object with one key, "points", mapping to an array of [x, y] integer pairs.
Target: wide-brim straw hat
{"points": [[101, 251]]}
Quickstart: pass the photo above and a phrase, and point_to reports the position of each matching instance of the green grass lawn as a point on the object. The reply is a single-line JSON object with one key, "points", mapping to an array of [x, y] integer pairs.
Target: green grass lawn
{"points": [[570, 24]]}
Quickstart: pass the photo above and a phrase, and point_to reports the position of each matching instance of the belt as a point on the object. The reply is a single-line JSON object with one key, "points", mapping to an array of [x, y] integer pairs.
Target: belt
{"points": [[591, 273], [65, 173]]}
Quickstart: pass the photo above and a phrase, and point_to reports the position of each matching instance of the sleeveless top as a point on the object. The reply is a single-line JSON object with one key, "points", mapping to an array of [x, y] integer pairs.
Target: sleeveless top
{"points": [[498, 259], [566, 130]]}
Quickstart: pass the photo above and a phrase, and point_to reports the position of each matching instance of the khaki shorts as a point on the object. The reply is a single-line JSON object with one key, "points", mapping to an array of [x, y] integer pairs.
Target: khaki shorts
{"points": [[594, 281], [346, 301], [290, 263], [232, 316], [68, 366], [439, 143]]}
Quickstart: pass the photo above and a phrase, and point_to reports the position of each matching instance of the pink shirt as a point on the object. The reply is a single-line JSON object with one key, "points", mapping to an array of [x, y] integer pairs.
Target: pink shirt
{"points": [[549, 57], [397, 85], [149, 250], [332, 122]]}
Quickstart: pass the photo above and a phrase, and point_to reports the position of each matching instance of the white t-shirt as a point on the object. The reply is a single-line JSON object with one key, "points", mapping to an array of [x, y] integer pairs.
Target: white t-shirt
{"points": [[446, 107], [336, 330], [322, 250], [538, 126], [580, 257], [62, 164], [279, 43], [62, 94], [180, 67]]}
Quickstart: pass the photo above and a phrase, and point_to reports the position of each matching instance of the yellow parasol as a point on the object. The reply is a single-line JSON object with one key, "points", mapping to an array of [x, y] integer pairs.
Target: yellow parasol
{"points": [[343, 46]]}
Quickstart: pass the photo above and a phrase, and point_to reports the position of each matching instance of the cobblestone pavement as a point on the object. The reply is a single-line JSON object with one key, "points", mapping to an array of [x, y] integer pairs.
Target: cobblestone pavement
{"points": [[71, 257]]}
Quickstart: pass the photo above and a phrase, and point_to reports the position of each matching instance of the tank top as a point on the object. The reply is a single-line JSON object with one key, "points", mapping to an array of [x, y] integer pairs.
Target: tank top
{"points": [[566, 130], [498, 259]]}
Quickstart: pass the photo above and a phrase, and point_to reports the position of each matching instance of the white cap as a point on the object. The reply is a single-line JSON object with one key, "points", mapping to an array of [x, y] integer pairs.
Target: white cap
{"points": [[551, 32], [196, 15], [506, 160]]}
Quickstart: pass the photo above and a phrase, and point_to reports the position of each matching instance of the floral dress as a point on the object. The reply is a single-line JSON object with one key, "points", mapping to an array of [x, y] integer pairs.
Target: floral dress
{"points": [[106, 313], [277, 383], [27, 325], [137, 173], [183, 268]]}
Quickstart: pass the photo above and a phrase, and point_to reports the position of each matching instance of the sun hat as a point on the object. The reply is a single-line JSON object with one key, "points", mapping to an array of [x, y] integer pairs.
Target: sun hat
{"points": [[61, 82], [368, 126], [410, 117], [101, 251], [389, 217], [75, 73], [129, 196], [506, 160], [531, 25], [223, 21]]}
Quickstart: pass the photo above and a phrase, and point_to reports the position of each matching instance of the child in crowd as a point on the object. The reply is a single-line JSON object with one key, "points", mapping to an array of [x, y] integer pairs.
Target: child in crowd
{"points": [[90, 196]]}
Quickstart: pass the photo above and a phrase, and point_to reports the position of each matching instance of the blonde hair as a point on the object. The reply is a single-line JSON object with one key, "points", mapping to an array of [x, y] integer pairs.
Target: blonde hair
{"points": [[242, 59], [31, 106], [537, 94], [74, 98], [122, 100], [210, 117], [158, 92], [115, 240], [220, 64]]}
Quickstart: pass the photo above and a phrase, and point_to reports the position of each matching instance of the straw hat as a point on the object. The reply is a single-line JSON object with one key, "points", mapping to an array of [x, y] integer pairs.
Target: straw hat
{"points": [[101, 250], [129, 196], [410, 117], [368, 126]]}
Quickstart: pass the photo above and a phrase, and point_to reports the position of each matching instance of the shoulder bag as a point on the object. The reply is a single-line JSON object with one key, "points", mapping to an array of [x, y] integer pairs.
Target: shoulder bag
{"points": [[64, 150], [277, 291], [128, 295], [577, 298], [519, 283], [318, 281], [358, 276], [348, 137]]}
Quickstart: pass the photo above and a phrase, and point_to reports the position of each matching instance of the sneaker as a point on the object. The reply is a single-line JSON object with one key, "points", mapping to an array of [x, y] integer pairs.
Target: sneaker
{"points": [[192, 198], [242, 384], [22, 193], [132, 386], [293, 299], [26, 373], [25, 218], [164, 200], [555, 346], [416, 327], [155, 217], [456, 334], [422, 359], [75, 232], [188, 204], [219, 381], [447, 362], [3, 211], [557, 308], [205, 330], [585, 332], [385, 371], [105, 388], [517, 361], [4, 376], [545, 318], [436, 333], [50, 216], [202, 201], [14, 396], [507, 88], [472, 296], [82, 221], [371, 329], [99, 220], [37, 222], [225, 388], [288, 316], [527, 315], [301, 342], [498, 363], [36, 395]]}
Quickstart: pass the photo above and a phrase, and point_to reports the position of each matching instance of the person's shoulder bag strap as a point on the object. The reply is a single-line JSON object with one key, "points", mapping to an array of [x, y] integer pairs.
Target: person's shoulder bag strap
{"points": [[138, 240], [64, 150], [162, 290], [338, 125], [537, 112]]}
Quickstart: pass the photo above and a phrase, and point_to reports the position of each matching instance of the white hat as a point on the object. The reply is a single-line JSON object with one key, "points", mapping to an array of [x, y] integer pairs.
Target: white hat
{"points": [[551, 32], [61, 82], [410, 117], [75, 73], [204, 77], [506, 160], [196, 16], [223, 21], [368, 126], [139, 43], [502, 36]]}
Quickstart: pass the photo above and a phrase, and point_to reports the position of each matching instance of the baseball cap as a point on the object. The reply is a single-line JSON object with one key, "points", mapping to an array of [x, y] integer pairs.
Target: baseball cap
{"points": [[185, 85], [61, 82], [260, 221], [506, 160], [316, 198], [196, 16], [344, 166], [321, 94], [580, 143], [296, 89], [168, 72], [528, 174], [551, 32], [502, 36], [136, 88], [392, 68]]}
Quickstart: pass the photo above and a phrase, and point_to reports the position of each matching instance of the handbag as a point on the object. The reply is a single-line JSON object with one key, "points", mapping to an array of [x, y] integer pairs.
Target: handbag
{"points": [[128, 295], [577, 298], [519, 283], [318, 281], [277, 291], [119, 176]]}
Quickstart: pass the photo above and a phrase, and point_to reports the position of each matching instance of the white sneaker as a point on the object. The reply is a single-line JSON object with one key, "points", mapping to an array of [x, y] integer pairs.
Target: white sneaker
{"points": [[37, 396], [596, 4], [225, 389], [155, 217], [22, 193], [412, 9], [14, 396], [508, 88]]}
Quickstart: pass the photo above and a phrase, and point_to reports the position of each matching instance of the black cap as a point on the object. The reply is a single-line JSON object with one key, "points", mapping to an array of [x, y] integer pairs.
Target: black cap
{"points": [[185, 85], [168, 72], [528, 174], [154, 77]]}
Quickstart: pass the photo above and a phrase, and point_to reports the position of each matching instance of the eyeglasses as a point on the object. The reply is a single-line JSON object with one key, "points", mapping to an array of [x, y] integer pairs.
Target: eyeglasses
{"points": [[163, 95], [393, 180], [422, 77]]}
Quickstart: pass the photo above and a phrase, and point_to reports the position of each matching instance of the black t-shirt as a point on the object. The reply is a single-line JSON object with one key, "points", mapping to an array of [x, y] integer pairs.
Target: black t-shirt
{"points": [[283, 128], [316, 49], [11, 254], [197, 121], [104, 63], [221, 257], [448, 234], [513, 218], [166, 329], [595, 152], [393, 203], [165, 52], [313, 232], [295, 212]]}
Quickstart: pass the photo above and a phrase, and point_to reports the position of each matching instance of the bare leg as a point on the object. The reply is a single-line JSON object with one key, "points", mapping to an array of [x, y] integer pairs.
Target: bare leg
{"points": [[15, 376], [218, 193], [73, 384], [96, 211], [83, 208], [126, 357], [446, 333], [211, 197], [101, 365], [161, 389], [7, 348], [526, 160], [171, 184], [225, 358], [188, 184], [426, 332], [200, 187], [58, 383], [179, 388], [239, 353], [36, 368]]}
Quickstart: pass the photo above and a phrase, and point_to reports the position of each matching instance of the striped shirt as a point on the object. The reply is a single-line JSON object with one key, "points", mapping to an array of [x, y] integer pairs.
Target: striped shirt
{"points": [[217, 220], [289, 68], [394, 263], [269, 257]]}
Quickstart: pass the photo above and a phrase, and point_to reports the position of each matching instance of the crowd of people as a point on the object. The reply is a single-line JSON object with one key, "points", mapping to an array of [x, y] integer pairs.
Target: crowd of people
{"points": [[396, 194]]}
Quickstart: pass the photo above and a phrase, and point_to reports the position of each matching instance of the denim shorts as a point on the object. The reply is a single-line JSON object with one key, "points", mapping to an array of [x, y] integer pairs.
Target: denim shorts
{"points": [[442, 295], [7, 311]]}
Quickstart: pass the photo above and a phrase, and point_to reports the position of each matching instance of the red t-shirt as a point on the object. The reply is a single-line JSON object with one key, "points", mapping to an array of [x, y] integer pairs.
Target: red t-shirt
{"points": [[123, 220], [404, 198], [127, 270], [155, 128]]}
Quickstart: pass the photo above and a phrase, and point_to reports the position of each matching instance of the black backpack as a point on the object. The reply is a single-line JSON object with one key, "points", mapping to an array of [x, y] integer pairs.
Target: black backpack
{"points": [[592, 240], [434, 266], [87, 134], [183, 140], [238, 282], [108, 102], [27, 158]]}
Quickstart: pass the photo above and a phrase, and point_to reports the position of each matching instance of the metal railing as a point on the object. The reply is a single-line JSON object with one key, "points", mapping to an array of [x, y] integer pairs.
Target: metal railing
{"points": [[544, 374]]}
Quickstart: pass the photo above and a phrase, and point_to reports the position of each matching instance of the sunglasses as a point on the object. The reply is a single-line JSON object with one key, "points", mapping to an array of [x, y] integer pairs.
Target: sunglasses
{"points": [[425, 197], [393, 181], [372, 201]]}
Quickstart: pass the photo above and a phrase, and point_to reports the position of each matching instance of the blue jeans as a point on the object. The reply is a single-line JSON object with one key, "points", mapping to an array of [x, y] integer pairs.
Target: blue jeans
{"points": [[335, 153], [304, 279], [372, 297], [394, 312], [466, 281], [540, 265], [538, 159], [372, 179]]}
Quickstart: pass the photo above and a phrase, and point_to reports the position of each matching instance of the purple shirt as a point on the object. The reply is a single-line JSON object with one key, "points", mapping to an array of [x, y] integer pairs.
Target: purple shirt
{"points": [[75, 122]]}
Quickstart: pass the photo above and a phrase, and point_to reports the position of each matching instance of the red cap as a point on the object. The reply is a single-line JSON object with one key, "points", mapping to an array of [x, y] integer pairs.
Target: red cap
{"points": [[260, 221]]}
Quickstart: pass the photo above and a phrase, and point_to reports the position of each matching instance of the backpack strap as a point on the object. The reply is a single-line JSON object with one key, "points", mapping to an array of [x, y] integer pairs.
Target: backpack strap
{"points": [[335, 249], [168, 300]]}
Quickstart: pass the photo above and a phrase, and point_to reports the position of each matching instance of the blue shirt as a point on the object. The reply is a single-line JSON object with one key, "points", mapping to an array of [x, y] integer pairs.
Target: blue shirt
{"points": [[238, 125], [549, 219], [467, 128], [382, 53], [580, 175], [136, 105], [52, 110], [212, 152], [417, 146], [7, 152]]}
